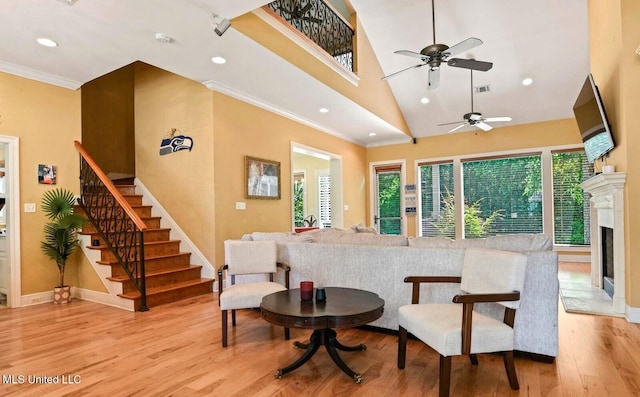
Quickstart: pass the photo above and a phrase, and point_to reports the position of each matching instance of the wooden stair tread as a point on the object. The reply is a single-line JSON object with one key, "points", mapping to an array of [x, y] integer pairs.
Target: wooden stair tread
{"points": [[157, 272], [166, 288], [115, 262], [145, 243], [154, 229]]}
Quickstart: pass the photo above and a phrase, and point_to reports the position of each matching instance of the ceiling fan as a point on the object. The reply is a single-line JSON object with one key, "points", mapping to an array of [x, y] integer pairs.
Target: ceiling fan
{"points": [[433, 55], [475, 118]]}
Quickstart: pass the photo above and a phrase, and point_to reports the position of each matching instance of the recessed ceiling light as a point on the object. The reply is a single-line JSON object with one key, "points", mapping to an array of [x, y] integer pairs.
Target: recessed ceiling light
{"points": [[163, 38], [372, 134], [46, 42], [424, 100], [324, 110], [68, 2], [218, 60], [527, 81]]}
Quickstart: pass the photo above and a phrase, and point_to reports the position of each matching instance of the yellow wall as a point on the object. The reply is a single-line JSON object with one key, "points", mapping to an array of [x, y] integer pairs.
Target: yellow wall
{"points": [[372, 93], [241, 129], [550, 133], [614, 35], [311, 166], [183, 182], [47, 121]]}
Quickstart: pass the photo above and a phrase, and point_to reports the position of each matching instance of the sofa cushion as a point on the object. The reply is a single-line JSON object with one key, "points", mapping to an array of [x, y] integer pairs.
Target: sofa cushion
{"points": [[508, 242], [430, 242], [372, 239], [281, 237]]}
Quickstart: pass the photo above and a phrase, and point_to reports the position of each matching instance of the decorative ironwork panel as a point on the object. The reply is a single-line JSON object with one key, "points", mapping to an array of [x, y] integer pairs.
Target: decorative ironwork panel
{"points": [[319, 22], [117, 229]]}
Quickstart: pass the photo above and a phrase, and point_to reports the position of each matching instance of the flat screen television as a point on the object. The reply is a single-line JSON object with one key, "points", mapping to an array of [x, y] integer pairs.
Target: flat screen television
{"points": [[592, 121]]}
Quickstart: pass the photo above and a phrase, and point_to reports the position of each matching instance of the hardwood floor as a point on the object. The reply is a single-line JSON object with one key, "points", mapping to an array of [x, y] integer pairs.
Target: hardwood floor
{"points": [[175, 350]]}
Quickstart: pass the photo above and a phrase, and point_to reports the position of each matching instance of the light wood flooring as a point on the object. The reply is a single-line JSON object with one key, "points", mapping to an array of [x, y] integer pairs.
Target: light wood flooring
{"points": [[175, 350]]}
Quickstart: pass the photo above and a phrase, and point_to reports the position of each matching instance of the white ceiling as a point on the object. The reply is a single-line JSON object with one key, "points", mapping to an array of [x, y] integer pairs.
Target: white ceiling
{"points": [[546, 40]]}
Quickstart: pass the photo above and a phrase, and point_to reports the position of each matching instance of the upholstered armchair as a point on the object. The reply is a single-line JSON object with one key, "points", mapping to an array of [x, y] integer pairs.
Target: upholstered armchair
{"points": [[248, 258], [455, 328]]}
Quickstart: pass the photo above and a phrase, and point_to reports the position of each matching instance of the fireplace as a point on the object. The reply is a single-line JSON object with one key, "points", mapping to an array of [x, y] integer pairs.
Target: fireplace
{"points": [[607, 260], [607, 235]]}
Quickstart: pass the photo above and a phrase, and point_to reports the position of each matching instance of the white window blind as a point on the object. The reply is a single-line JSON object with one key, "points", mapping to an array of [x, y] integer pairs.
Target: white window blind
{"points": [[502, 196], [571, 217], [324, 200], [436, 197]]}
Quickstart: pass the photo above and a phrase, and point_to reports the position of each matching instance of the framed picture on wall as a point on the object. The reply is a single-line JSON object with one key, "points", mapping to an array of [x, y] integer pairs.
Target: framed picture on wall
{"points": [[262, 178], [47, 174]]}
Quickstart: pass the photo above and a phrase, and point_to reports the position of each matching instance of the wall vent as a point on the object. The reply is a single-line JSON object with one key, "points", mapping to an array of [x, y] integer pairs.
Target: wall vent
{"points": [[482, 88]]}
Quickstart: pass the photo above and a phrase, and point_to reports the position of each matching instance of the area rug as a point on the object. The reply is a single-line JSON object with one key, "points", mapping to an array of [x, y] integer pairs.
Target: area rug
{"points": [[581, 297]]}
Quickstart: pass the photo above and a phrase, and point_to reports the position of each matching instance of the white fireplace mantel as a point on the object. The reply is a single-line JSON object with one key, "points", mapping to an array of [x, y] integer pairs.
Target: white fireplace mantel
{"points": [[607, 210]]}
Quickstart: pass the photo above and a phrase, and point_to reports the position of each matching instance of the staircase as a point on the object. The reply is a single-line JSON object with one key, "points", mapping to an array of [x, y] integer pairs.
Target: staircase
{"points": [[170, 276]]}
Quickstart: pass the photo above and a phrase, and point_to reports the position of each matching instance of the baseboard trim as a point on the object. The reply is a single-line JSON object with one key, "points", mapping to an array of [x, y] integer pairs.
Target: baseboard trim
{"points": [[102, 298]]}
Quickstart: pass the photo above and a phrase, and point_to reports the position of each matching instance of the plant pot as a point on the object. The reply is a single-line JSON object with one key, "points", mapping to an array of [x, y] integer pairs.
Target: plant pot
{"points": [[62, 295]]}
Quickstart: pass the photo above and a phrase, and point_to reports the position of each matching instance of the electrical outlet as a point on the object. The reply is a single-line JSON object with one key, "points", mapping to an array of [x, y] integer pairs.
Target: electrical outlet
{"points": [[29, 207]]}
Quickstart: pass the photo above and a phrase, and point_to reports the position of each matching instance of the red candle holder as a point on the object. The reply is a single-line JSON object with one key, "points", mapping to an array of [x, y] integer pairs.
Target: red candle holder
{"points": [[306, 290]]}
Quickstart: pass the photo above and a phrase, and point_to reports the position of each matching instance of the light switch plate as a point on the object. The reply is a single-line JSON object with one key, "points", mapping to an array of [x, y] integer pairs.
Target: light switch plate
{"points": [[29, 207], [241, 205]]}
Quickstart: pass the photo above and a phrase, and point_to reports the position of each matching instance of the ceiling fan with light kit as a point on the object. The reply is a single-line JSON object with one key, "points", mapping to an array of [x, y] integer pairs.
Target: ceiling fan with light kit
{"points": [[475, 118], [435, 54]]}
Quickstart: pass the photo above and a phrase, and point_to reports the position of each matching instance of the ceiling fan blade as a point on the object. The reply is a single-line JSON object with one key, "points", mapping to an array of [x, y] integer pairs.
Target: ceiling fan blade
{"points": [[493, 119], [462, 46], [470, 64], [434, 79], [455, 122], [411, 54], [458, 127], [403, 70], [483, 126]]}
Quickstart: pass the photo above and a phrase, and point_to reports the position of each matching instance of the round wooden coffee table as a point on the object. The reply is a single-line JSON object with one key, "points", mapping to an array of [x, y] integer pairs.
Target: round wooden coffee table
{"points": [[343, 308]]}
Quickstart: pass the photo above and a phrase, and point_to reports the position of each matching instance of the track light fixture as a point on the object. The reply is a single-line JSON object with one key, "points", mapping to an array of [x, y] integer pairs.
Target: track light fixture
{"points": [[220, 24]]}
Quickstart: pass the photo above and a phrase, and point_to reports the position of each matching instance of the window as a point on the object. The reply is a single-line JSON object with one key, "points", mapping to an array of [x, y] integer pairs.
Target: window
{"points": [[388, 216], [507, 193], [436, 199], [571, 217], [502, 196], [299, 194], [324, 200]]}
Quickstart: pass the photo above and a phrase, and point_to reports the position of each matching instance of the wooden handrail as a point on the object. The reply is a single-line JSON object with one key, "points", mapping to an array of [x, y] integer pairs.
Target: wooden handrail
{"points": [[111, 187]]}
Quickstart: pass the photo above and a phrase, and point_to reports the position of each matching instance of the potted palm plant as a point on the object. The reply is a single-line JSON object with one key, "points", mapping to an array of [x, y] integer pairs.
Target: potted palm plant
{"points": [[60, 234]]}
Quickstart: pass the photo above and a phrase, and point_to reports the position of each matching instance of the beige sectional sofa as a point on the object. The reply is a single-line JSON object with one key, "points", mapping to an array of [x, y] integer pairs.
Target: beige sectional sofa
{"points": [[379, 263]]}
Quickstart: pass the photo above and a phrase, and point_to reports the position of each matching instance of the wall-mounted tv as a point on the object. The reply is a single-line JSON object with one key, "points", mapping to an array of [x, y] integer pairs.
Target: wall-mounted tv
{"points": [[592, 121]]}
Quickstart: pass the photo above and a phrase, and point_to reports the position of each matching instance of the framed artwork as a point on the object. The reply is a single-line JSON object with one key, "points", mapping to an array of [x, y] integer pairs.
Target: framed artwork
{"points": [[47, 174], [262, 178]]}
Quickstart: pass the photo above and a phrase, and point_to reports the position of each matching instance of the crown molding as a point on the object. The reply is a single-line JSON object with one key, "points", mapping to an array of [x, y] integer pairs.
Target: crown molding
{"points": [[39, 76]]}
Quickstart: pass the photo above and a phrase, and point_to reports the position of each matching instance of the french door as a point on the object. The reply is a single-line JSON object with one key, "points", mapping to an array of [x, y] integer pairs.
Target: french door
{"points": [[387, 204]]}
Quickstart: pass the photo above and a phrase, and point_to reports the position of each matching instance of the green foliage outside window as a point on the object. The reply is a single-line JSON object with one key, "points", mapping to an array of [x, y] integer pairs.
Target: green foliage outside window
{"points": [[298, 203], [475, 226]]}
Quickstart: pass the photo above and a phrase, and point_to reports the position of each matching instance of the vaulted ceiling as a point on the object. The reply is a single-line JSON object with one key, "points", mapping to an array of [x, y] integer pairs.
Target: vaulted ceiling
{"points": [[545, 40]]}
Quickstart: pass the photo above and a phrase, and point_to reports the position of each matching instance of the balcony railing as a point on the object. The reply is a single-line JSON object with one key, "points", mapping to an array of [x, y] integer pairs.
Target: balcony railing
{"points": [[319, 22]]}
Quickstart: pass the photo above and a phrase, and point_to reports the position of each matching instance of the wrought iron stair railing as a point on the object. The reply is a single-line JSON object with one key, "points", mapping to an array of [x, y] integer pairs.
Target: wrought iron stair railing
{"points": [[115, 221], [321, 23]]}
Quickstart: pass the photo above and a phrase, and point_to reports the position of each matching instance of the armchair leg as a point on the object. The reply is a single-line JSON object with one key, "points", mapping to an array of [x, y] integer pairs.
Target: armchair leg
{"points": [[445, 375], [233, 317], [511, 370], [287, 334], [224, 328], [473, 358], [402, 347]]}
